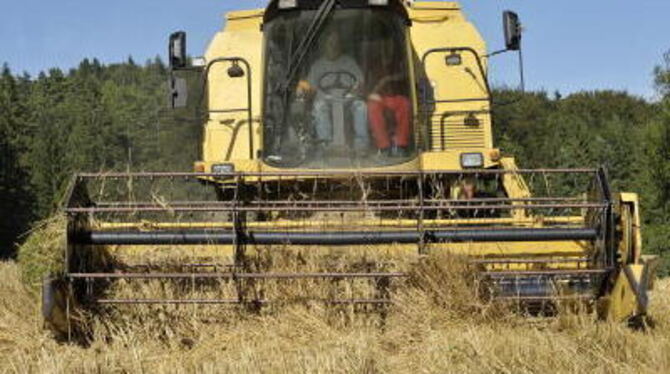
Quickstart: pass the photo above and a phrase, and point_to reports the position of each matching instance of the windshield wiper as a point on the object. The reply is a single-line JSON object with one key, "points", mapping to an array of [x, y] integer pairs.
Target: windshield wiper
{"points": [[284, 87], [325, 9]]}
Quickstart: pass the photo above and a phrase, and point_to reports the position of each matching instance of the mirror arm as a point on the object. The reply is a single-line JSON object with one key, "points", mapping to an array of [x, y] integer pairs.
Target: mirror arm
{"points": [[492, 54], [522, 85], [522, 74]]}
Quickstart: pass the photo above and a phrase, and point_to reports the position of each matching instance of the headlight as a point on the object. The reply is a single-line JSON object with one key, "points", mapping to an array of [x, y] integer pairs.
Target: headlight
{"points": [[472, 160], [454, 59], [223, 169], [378, 2], [288, 4]]}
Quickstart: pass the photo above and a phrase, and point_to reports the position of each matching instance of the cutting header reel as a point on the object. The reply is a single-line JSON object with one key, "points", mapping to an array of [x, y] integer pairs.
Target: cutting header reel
{"points": [[243, 245]]}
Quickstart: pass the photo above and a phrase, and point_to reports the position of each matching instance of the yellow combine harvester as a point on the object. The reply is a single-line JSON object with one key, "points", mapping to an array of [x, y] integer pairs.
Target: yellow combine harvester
{"points": [[349, 126]]}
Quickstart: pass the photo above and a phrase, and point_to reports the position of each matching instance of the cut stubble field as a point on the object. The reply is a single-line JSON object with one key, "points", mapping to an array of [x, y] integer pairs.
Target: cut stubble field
{"points": [[426, 331]]}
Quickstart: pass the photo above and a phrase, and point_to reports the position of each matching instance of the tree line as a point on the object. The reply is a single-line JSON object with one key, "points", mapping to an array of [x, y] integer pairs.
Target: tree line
{"points": [[99, 117], [91, 118], [626, 134]]}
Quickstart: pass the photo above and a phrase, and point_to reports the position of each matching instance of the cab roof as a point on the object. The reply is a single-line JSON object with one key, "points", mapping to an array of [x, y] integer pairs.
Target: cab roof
{"points": [[272, 10]]}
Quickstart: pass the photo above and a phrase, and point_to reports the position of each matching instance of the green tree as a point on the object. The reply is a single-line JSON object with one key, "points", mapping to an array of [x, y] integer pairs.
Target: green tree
{"points": [[656, 166], [15, 193]]}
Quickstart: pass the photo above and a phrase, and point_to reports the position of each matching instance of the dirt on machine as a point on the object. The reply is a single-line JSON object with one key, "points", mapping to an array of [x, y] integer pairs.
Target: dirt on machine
{"points": [[344, 142]]}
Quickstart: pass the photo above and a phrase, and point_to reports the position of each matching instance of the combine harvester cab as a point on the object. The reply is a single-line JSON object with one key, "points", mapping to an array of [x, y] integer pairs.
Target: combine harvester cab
{"points": [[344, 141]]}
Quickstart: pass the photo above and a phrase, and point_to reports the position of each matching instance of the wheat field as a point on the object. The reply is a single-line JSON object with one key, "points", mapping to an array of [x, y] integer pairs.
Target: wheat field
{"points": [[426, 331]]}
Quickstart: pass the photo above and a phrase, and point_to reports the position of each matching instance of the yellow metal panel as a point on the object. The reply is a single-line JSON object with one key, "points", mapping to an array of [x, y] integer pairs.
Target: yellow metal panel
{"points": [[632, 200], [509, 250], [240, 38], [370, 223], [515, 186], [451, 159], [440, 25], [629, 297], [432, 5], [621, 303], [242, 15]]}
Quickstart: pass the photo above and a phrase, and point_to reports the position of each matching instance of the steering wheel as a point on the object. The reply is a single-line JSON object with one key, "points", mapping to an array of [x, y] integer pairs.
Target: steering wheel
{"points": [[338, 80]]}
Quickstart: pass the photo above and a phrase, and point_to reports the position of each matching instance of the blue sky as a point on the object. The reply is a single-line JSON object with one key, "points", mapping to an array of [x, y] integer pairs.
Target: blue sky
{"points": [[569, 45]]}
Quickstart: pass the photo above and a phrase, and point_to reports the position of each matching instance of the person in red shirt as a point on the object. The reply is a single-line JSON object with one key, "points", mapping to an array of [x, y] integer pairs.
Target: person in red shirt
{"points": [[390, 93]]}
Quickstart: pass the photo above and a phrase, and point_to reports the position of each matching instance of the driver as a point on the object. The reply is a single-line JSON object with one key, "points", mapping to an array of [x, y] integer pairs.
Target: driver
{"points": [[336, 70]]}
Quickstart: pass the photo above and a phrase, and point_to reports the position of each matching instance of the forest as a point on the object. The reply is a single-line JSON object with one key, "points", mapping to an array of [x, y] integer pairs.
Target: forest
{"points": [[99, 117]]}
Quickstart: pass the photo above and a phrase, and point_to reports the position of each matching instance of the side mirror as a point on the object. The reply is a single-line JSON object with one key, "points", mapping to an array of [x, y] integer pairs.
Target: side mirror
{"points": [[512, 26], [178, 92], [178, 50]]}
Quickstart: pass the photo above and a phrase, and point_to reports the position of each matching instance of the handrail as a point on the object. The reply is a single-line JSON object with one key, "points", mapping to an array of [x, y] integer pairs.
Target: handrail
{"points": [[249, 108], [480, 65]]}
